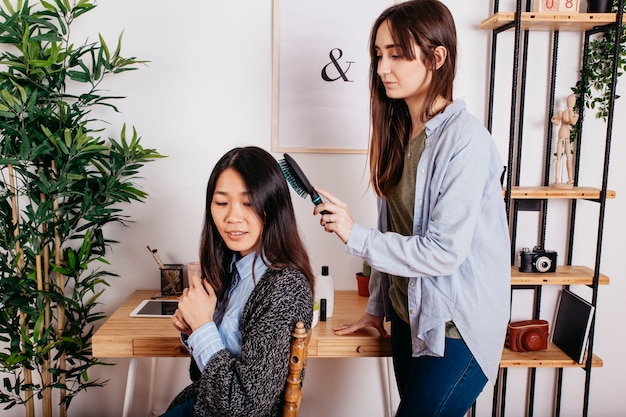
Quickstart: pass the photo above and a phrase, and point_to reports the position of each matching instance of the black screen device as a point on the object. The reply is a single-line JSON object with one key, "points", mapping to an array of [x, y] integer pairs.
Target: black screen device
{"points": [[155, 308]]}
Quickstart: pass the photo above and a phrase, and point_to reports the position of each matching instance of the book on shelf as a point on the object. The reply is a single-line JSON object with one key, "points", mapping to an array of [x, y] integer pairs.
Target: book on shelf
{"points": [[572, 324]]}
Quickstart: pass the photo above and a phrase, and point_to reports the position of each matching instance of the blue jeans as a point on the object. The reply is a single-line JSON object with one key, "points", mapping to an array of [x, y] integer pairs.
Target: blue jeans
{"points": [[433, 386], [184, 409]]}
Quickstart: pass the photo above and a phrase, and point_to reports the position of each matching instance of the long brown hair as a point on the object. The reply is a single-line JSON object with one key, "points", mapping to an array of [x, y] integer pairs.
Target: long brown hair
{"points": [[280, 245], [427, 24]]}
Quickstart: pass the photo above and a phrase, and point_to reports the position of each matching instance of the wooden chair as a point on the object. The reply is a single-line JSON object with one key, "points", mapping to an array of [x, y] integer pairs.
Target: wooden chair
{"points": [[297, 365]]}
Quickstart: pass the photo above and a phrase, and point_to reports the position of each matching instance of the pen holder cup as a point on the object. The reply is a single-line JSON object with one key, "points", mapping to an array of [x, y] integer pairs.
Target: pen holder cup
{"points": [[172, 279], [363, 283], [194, 269]]}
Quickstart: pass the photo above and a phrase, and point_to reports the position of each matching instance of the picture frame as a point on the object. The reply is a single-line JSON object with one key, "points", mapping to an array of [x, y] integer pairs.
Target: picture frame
{"points": [[572, 325], [320, 75]]}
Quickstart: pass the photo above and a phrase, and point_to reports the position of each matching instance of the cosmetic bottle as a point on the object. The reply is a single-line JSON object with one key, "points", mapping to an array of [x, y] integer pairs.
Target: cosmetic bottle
{"points": [[324, 289], [323, 309]]}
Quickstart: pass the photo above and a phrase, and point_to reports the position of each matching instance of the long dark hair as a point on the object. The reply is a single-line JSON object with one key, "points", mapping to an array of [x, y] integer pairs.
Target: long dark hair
{"points": [[280, 245], [427, 24]]}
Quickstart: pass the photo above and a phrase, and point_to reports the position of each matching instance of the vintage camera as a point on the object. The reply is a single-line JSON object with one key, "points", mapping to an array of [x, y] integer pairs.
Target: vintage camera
{"points": [[527, 335], [537, 260]]}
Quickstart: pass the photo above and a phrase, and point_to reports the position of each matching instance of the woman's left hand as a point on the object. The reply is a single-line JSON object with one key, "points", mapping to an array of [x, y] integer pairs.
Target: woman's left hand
{"points": [[339, 220]]}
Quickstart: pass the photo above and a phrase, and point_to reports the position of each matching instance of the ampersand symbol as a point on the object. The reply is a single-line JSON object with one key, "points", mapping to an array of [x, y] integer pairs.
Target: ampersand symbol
{"points": [[342, 73]]}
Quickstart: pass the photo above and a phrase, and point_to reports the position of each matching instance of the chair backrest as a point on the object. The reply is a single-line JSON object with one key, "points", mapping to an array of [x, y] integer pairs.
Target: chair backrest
{"points": [[297, 364]]}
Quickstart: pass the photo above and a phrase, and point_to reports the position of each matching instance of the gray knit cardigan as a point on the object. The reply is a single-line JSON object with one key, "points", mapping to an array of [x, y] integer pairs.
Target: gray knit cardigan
{"points": [[251, 385]]}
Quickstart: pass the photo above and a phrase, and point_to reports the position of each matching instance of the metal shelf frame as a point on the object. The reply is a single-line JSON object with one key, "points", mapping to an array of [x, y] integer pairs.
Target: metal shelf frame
{"points": [[522, 23]]}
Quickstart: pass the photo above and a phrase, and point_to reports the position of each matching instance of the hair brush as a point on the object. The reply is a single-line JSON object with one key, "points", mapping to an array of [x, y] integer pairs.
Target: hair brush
{"points": [[298, 181]]}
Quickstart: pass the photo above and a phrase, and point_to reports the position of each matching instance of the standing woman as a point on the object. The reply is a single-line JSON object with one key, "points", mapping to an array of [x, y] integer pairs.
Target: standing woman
{"points": [[440, 256], [256, 284]]}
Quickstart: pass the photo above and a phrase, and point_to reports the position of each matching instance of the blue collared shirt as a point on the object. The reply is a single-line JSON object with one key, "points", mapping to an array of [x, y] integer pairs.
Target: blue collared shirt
{"points": [[223, 331], [458, 259]]}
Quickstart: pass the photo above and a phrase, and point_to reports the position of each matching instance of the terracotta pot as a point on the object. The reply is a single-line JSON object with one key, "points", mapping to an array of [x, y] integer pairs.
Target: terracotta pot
{"points": [[363, 283], [599, 6]]}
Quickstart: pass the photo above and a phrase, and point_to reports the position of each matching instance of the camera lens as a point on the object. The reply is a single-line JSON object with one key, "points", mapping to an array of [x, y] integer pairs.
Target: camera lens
{"points": [[543, 264]]}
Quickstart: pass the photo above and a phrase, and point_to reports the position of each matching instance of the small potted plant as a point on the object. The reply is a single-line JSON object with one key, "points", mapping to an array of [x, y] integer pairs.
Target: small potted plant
{"points": [[363, 280], [593, 89]]}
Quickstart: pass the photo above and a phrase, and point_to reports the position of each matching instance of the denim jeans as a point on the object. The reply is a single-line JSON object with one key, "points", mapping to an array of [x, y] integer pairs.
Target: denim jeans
{"points": [[433, 386], [184, 409]]}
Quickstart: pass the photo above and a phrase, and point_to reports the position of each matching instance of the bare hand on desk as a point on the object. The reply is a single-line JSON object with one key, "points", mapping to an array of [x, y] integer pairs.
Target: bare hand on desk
{"points": [[367, 320], [195, 306]]}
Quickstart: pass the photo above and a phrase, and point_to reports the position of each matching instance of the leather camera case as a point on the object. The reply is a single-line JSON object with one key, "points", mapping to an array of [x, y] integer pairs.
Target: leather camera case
{"points": [[527, 335]]}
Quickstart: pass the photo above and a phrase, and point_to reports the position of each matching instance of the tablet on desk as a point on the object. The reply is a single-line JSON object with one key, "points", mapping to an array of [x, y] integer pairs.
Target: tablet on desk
{"points": [[155, 308]]}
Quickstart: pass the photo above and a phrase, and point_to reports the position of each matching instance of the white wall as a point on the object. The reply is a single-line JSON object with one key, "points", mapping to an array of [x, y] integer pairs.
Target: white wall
{"points": [[208, 89]]}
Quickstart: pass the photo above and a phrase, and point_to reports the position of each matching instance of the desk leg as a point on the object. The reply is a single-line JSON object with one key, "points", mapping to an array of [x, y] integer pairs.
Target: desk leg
{"points": [[130, 386], [391, 380], [153, 369]]}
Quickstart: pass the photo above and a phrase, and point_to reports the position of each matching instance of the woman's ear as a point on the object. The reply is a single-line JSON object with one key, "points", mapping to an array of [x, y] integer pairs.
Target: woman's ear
{"points": [[440, 53]]}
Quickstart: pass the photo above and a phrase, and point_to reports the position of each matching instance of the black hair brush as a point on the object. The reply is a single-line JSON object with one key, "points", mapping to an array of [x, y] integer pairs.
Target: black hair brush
{"points": [[298, 181]]}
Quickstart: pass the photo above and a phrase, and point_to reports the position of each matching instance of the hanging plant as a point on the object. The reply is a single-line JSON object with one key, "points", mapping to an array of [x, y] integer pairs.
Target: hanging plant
{"points": [[60, 184], [595, 93]]}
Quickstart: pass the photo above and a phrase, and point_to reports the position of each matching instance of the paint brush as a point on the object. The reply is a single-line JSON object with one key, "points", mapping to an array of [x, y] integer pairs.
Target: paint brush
{"points": [[156, 257]]}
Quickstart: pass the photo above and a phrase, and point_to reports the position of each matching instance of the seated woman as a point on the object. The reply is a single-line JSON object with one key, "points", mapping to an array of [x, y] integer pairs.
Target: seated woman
{"points": [[257, 283]]}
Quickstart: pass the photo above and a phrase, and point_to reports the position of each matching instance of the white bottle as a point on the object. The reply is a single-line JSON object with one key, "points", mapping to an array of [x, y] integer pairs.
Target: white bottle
{"points": [[324, 288]]}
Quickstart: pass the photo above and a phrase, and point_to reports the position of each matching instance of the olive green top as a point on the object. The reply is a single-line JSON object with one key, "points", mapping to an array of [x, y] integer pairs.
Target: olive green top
{"points": [[401, 205]]}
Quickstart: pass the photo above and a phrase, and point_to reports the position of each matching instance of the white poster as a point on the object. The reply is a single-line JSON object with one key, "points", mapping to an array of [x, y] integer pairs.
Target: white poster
{"points": [[321, 74]]}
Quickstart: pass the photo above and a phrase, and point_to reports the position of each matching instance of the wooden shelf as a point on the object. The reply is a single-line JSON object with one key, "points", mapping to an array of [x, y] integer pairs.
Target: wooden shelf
{"points": [[541, 193], [564, 275], [553, 357], [550, 21]]}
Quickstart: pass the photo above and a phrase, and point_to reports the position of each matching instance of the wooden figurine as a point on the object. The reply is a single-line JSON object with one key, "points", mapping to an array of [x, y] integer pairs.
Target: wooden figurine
{"points": [[565, 118]]}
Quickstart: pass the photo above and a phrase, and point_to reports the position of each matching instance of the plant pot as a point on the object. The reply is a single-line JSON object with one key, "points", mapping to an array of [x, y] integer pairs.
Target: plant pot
{"points": [[363, 283], [599, 6]]}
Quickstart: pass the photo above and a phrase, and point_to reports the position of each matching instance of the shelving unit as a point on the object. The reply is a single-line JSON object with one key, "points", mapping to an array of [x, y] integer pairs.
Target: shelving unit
{"points": [[549, 21], [536, 198], [553, 357]]}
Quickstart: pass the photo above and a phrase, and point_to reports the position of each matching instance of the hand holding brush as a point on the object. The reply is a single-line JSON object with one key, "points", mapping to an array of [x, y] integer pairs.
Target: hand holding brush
{"points": [[336, 217]]}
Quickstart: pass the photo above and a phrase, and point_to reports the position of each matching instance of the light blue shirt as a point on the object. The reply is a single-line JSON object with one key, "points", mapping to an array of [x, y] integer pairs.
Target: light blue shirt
{"points": [[223, 331], [458, 259]]}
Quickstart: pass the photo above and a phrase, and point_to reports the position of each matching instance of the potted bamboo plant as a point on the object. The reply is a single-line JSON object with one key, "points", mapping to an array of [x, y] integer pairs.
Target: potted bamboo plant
{"points": [[61, 183]]}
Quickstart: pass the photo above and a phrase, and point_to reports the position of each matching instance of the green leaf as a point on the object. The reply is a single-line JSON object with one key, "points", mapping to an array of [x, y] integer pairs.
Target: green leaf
{"points": [[20, 90], [9, 6], [79, 76], [48, 6], [7, 98], [104, 48]]}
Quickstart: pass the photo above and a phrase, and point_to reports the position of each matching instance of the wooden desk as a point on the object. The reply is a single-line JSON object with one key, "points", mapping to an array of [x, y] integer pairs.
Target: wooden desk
{"points": [[122, 336]]}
